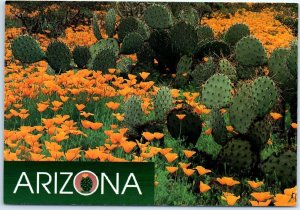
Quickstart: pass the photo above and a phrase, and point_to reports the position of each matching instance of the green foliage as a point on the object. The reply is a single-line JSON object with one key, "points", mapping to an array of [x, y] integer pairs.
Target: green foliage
{"points": [[27, 50], [235, 33], [110, 21], [81, 56], [158, 16], [58, 56], [217, 91], [163, 103], [131, 43], [249, 51]]}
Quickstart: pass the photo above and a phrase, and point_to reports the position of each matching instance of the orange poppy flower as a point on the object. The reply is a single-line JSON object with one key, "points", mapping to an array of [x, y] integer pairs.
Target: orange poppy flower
{"points": [[275, 116], [60, 136], [180, 116], [261, 196], [284, 200], [36, 157], [294, 125], [80, 107], [148, 136], [158, 135], [230, 198], [96, 125], [184, 165], [189, 153], [56, 154], [291, 191], [56, 104], [72, 154], [259, 203], [171, 157], [111, 70], [118, 116], [227, 181], [86, 124], [112, 105], [201, 170], [42, 107], [165, 151], [171, 169], [144, 75], [208, 131], [52, 146], [229, 128], [254, 184], [64, 98], [128, 146], [188, 172], [204, 187]]}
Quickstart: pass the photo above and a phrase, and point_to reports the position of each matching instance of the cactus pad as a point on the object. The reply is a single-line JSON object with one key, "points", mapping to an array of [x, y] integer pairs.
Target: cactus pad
{"points": [[182, 71], [158, 17], [203, 72], [124, 65], [219, 131], [126, 26], [134, 115], [81, 56], [86, 184], [249, 51], [104, 60], [110, 21], [214, 48], [259, 134], [95, 27], [245, 72], [225, 67], [27, 50], [163, 103], [58, 56], [131, 43], [265, 94], [235, 33], [217, 91], [205, 34], [184, 38], [189, 15], [242, 111], [292, 59]]}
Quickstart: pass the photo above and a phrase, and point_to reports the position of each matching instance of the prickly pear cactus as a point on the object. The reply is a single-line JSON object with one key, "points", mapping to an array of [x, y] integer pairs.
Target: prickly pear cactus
{"points": [[205, 34], [86, 183], [225, 67], [58, 56], [242, 112], [124, 66], [259, 134], [95, 27], [235, 33], [104, 60], [215, 49], [27, 50], [245, 72], [189, 128], [158, 17], [249, 51], [238, 156], [126, 26], [184, 38], [283, 166], [183, 70], [134, 115], [203, 72], [110, 21], [143, 29], [279, 70], [265, 94], [163, 103], [81, 56], [132, 43], [217, 91], [146, 54], [189, 15], [219, 131], [292, 58]]}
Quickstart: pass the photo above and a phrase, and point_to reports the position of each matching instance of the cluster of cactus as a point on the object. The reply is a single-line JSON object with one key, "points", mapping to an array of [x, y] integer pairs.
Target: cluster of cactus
{"points": [[86, 183]]}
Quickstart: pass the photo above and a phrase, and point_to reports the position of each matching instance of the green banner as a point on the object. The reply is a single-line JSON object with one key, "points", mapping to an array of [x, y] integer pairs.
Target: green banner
{"points": [[78, 183]]}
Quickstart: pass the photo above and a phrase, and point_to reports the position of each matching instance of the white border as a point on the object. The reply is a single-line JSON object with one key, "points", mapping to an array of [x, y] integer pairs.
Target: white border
{"points": [[31, 207]]}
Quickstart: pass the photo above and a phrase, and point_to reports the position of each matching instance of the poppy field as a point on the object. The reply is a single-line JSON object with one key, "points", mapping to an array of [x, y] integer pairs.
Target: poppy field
{"points": [[206, 91]]}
